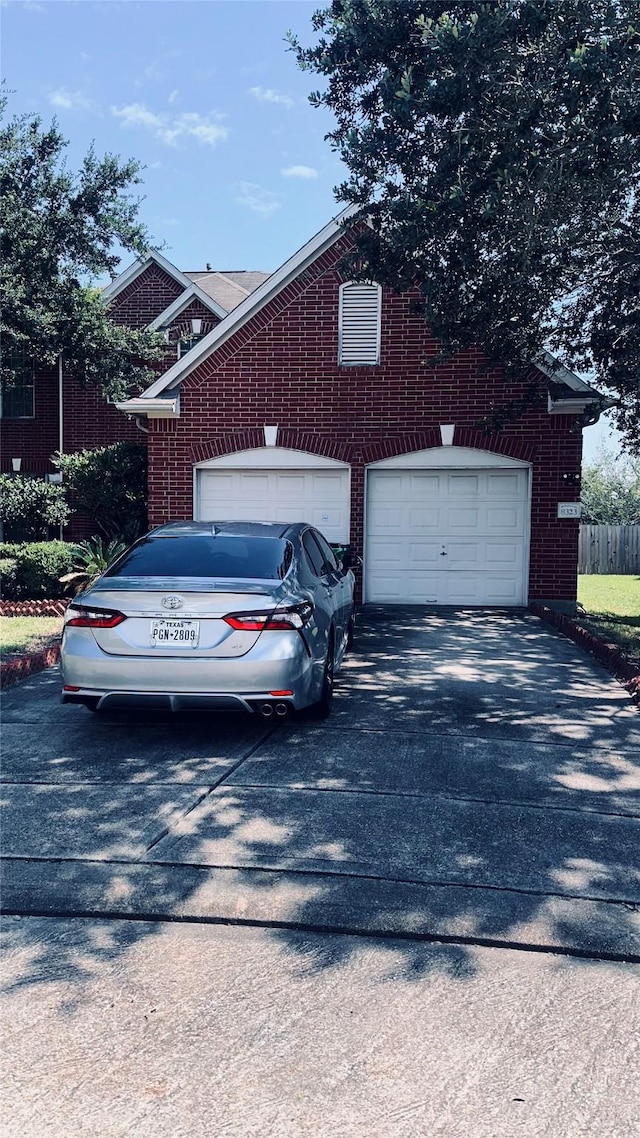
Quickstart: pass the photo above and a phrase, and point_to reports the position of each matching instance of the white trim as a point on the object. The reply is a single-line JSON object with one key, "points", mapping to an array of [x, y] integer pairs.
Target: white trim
{"points": [[253, 303], [447, 431], [553, 369], [270, 458], [446, 458], [270, 435], [194, 292], [154, 408], [134, 270]]}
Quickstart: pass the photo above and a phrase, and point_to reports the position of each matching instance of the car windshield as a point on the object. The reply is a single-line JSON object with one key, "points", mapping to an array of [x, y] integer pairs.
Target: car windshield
{"points": [[238, 558]]}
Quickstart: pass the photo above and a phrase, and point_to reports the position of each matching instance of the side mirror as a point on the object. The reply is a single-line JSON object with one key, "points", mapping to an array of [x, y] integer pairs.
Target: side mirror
{"points": [[350, 560]]}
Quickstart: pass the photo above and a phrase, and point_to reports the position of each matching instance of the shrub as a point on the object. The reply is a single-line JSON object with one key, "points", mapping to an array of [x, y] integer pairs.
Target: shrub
{"points": [[37, 568], [110, 484], [30, 506], [90, 559], [8, 578]]}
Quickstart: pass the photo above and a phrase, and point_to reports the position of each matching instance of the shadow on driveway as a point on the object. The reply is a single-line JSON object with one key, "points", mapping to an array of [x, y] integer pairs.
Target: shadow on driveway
{"points": [[478, 783]]}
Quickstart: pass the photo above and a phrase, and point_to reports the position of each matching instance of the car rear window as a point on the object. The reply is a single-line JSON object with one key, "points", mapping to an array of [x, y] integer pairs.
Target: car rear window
{"points": [[239, 558]]}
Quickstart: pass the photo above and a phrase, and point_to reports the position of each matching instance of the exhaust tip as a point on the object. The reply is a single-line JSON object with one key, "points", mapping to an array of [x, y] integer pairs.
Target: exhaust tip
{"points": [[282, 709], [266, 710]]}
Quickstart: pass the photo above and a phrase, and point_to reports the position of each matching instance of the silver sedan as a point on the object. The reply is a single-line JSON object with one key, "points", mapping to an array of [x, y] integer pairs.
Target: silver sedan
{"points": [[253, 615]]}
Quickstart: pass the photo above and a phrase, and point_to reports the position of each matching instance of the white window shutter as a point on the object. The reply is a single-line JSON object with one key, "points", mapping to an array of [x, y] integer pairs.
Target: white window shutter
{"points": [[359, 315]]}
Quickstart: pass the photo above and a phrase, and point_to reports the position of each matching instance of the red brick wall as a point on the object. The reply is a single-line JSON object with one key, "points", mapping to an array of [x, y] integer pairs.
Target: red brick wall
{"points": [[282, 368], [145, 298]]}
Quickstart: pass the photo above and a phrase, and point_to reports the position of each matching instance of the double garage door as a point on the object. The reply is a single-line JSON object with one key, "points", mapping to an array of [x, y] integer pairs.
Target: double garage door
{"points": [[451, 537]]}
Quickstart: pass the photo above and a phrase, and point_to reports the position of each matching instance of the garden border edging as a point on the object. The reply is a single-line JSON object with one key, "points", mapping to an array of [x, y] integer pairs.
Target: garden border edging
{"points": [[609, 655]]}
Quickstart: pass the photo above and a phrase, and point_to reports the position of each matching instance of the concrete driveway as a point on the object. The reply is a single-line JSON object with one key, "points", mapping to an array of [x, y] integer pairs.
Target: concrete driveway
{"points": [[476, 791]]}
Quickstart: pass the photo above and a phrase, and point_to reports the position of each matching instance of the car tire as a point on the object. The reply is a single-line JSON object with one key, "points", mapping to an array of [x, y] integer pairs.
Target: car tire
{"points": [[322, 709]]}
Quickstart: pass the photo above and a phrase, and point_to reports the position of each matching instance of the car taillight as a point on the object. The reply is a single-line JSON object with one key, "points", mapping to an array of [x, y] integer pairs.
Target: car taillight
{"points": [[93, 618], [282, 620]]}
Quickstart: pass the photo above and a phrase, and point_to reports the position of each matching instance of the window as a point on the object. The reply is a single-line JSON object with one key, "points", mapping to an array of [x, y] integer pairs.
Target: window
{"points": [[314, 555], [17, 394], [186, 343], [327, 552], [236, 558], [359, 324]]}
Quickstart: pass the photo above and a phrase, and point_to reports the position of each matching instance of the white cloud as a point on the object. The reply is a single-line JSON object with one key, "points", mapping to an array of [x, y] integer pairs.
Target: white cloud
{"points": [[173, 97], [268, 95], [299, 172], [171, 128], [69, 100], [255, 198]]}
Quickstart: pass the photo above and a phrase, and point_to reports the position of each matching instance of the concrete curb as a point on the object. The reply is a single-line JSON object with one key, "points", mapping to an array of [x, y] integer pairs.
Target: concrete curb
{"points": [[612, 657]]}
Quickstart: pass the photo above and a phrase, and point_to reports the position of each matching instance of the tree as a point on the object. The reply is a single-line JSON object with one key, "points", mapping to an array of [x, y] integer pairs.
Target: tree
{"points": [[110, 484], [611, 490], [59, 233], [494, 150], [30, 506]]}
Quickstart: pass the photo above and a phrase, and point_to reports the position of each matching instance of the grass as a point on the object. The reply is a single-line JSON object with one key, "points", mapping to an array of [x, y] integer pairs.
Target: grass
{"points": [[22, 634], [610, 608]]}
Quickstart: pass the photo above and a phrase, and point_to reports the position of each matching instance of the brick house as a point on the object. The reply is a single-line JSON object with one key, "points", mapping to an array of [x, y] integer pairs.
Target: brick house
{"points": [[301, 395], [48, 410], [315, 399]]}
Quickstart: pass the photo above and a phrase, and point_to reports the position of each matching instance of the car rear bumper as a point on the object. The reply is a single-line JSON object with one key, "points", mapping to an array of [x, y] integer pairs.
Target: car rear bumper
{"points": [[90, 675]]}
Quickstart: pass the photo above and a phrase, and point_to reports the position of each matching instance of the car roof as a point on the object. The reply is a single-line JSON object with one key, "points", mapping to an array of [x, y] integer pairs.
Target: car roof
{"points": [[228, 529]]}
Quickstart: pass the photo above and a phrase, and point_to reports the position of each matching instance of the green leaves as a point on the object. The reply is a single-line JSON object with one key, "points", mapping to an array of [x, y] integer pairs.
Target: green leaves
{"points": [[61, 232], [110, 485], [30, 506], [494, 149]]}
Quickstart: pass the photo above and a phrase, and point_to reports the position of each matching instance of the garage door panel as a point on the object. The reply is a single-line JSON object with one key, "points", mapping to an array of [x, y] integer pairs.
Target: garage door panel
{"points": [[320, 497], [477, 519]]}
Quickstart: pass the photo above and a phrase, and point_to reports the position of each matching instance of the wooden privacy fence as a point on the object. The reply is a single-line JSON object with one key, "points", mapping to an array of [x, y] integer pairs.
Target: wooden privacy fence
{"points": [[609, 549]]}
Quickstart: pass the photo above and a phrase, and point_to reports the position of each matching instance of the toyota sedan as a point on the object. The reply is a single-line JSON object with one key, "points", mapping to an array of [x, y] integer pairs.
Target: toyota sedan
{"points": [[249, 615]]}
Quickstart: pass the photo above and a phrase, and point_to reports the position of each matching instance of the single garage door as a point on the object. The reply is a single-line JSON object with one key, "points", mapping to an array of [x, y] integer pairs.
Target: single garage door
{"points": [[318, 496], [449, 537]]}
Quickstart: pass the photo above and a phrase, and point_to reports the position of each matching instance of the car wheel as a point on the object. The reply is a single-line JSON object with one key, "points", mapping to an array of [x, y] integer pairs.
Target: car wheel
{"points": [[322, 709]]}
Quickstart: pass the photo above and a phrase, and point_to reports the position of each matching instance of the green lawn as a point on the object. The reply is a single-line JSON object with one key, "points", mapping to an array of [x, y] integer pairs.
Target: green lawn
{"points": [[610, 608], [20, 634]]}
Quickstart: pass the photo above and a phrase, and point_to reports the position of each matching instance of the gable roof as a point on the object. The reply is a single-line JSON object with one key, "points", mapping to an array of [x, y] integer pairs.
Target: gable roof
{"points": [[228, 289], [167, 385], [247, 308], [137, 268]]}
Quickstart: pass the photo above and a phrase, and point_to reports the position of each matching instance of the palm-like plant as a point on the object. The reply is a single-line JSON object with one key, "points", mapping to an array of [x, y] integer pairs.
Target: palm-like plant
{"points": [[90, 559]]}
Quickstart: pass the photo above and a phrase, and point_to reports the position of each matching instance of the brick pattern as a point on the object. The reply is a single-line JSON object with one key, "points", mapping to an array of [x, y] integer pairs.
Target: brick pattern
{"points": [[34, 608], [281, 367]]}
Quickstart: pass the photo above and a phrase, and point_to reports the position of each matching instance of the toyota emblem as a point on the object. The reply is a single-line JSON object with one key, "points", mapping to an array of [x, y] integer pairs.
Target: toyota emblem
{"points": [[171, 602]]}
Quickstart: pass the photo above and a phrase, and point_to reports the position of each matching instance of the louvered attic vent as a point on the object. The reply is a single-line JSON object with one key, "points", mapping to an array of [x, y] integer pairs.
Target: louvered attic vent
{"points": [[359, 339]]}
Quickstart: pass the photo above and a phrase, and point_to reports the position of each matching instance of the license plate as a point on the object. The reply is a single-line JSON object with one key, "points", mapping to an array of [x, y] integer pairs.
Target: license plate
{"points": [[175, 633]]}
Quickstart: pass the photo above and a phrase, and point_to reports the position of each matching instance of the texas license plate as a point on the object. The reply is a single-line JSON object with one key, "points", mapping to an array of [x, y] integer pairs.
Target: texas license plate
{"points": [[175, 633]]}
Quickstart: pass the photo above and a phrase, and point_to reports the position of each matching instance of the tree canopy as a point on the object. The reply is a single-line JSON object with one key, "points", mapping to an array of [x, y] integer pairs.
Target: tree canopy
{"points": [[494, 150], [611, 490], [60, 232]]}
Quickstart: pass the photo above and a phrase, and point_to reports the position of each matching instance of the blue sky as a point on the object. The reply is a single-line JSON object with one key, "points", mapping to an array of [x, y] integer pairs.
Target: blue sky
{"points": [[207, 96]]}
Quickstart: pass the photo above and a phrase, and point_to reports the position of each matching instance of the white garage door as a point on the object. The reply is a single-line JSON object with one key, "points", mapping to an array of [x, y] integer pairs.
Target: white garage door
{"points": [[450, 537], [320, 497]]}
